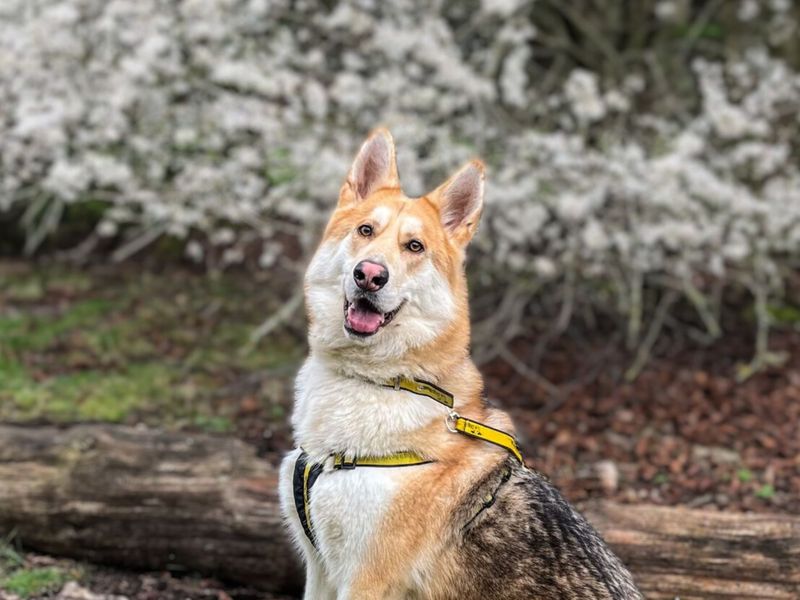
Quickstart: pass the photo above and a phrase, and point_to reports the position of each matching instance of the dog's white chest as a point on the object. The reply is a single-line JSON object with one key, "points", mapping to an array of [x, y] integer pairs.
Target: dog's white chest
{"points": [[347, 508]]}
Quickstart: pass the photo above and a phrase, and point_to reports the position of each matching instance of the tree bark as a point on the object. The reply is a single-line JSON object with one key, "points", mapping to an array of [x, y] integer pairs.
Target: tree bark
{"points": [[701, 554], [148, 499]]}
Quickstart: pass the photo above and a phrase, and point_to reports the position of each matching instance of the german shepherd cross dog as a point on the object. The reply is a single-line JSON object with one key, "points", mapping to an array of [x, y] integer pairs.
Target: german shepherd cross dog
{"points": [[404, 483]]}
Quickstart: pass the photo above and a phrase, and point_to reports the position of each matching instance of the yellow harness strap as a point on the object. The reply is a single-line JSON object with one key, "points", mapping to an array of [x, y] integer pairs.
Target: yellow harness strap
{"points": [[421, 388], [488, 434], [306, 473], [398, 459], [455, 422]]}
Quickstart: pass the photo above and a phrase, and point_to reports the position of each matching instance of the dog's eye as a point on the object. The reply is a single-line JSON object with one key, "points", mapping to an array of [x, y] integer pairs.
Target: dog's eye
{"points": [[415, 246], [365, 230]]}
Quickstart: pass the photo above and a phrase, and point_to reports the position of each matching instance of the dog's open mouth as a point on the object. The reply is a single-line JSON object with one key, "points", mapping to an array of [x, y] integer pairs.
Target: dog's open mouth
{"points": [[362, 318]]}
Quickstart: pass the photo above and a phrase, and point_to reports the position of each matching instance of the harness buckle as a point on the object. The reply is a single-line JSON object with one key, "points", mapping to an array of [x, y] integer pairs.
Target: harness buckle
{"points": [[347, 466]]}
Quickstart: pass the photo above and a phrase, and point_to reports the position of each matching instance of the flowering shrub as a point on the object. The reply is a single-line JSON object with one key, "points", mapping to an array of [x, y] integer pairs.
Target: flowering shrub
{"points": [[717, 203], [220, 122]]}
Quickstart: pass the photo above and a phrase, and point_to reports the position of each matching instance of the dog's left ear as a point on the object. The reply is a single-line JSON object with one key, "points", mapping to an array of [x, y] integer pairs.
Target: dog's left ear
{"points": [[374, 168], [460, 201]]}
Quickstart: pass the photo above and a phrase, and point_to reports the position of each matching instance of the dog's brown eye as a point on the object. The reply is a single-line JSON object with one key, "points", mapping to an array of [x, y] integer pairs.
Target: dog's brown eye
{"points": [[365, 230], [415, 246]]}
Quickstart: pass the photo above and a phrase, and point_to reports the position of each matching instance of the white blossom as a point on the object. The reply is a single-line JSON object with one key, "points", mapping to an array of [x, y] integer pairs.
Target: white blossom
{"points": [[107, 228], [194, 250], [66, 179], [503, 8], [594, 236], [748, 10], [583, 93], [666, 10], [220, 122], [544, 267]]}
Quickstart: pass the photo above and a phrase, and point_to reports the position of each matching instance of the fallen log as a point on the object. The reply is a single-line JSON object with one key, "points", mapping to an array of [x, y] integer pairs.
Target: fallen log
{"points": [[701, 554], [148, 499]]}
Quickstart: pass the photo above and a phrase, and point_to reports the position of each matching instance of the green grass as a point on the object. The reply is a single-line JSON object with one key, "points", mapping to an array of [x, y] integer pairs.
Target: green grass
{"points": [[20, 333], [171, 349], [10, 559], [661, 479], [84, 396], [784, 314], [16, 577], [766, 492], [28, 583]]}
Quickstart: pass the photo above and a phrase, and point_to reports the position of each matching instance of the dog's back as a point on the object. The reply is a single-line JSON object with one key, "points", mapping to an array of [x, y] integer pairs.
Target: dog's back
{"points": [[521, 539]]}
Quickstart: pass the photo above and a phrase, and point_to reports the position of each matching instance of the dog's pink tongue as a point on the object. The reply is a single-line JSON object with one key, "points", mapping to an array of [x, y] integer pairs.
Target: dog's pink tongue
{"points": [[362, 320]]}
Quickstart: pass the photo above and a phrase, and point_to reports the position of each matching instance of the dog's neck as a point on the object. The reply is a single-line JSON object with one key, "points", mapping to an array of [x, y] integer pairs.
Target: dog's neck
{"points": [[339, 412], [341, 405]]}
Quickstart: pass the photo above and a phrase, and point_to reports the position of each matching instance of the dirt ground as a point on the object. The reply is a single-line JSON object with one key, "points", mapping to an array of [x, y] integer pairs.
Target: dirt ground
{"points": [[173, 349], [685, 432], [93, 582]]}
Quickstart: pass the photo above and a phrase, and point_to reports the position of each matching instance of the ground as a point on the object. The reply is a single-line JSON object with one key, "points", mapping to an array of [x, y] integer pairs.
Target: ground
{"points": [[33, 576], [171, 347]]}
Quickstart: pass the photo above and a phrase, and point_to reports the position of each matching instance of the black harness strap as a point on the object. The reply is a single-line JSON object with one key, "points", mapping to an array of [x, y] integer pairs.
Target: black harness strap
{"points": [[303, 479], [490, 498], [305, 475]]}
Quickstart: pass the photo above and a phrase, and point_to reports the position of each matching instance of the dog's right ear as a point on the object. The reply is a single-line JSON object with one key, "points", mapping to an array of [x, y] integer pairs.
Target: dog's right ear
{"points": [[374, 168]]}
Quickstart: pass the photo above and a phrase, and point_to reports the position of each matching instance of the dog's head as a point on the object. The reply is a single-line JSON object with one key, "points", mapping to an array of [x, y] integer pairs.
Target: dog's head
{"points": [[388, 276]]}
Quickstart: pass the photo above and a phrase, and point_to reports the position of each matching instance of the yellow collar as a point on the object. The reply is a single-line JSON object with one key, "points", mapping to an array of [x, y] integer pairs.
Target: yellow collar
{"points": [[421, 388]]}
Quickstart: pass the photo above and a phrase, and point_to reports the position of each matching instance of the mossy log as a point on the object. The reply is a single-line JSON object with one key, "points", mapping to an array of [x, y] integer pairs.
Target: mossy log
{"points": [[147, 499]]}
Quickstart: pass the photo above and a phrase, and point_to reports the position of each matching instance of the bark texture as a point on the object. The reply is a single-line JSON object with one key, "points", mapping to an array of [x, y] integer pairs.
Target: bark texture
{"points": [[147, 499], [703, 555]]}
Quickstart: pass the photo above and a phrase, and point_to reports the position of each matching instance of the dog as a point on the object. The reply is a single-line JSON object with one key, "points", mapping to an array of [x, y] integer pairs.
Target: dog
{"points": [[404, 483]]}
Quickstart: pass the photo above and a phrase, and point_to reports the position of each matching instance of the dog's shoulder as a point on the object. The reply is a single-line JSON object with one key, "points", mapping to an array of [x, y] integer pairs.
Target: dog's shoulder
{"points": [[518, 537]]}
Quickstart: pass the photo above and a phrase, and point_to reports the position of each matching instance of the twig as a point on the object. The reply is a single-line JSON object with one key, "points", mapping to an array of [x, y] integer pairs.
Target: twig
{"points": [[565, 314], [701, 305], [80, 254], [510, 310], [49, 210], [278, 318], [635, 311], [138, 243], [643, 353], [763, 357], [696, 30], [593, 35], [525, 371]]}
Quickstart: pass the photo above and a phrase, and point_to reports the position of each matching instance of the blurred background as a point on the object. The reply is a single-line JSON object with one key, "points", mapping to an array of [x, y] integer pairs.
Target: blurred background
{"points": [[166, 168]]}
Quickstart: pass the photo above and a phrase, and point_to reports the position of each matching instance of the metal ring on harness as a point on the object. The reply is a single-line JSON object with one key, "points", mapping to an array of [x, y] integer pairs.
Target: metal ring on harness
{"points": [[450, 421]]}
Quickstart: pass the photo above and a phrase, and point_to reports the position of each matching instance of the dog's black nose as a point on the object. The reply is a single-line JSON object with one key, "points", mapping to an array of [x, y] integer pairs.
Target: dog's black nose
{"points": [[370, 276]]}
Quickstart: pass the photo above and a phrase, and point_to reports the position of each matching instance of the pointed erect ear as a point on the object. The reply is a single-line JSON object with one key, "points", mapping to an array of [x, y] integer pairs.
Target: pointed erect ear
{"points": [[375, 167], [460, 201]]}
